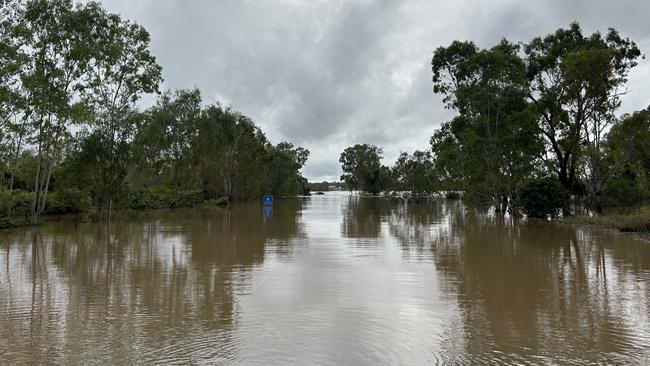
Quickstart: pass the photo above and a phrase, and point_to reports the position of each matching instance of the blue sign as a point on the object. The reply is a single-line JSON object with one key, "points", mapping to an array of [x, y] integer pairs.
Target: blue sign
{"points": [[267, 199]]}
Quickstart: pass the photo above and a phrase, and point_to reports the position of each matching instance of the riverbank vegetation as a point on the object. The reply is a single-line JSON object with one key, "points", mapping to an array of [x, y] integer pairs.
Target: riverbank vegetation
{"points": [[535, 132], [73, 139], [637, 221]]}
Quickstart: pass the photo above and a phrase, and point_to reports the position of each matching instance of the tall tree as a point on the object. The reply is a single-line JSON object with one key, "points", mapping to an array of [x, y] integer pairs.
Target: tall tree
{"points": [[54, 37], [362, 168], [575, 86], [415, 173], [627, 158], [120, 70], [284, 164], [492, 144], [12, 61]]}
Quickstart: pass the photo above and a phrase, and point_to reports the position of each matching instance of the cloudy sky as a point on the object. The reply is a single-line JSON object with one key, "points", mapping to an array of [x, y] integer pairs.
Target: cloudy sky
{"points": [[326, 74]]}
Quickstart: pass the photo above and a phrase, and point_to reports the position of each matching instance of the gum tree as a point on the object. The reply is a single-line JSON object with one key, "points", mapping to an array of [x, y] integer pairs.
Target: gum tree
{"points": [[575, 86]]}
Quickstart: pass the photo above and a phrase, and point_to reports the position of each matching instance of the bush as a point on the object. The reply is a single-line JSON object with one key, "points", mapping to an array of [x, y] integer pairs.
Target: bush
{"points": [[624, 192], [145, 198], [544, 197], [635, 221], [68, 202], [15, 208], [221, 201]]}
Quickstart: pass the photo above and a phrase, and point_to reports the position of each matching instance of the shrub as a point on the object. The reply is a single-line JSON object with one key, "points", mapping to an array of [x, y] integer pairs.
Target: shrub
{"points": [[15, 208], [145, 198], [624, 192], [68, 202], [544, 197]]}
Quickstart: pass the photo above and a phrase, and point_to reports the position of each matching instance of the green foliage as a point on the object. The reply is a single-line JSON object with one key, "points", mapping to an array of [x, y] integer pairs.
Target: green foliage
{"points": [[145, 198], [15, 208], [491, 147], [541, 198], [636, 221], [216, 149], [574, 91], [65, 64], [627, 159], [362, 169], [541, 112], [284, 164], [68, 202], [414, 173]]}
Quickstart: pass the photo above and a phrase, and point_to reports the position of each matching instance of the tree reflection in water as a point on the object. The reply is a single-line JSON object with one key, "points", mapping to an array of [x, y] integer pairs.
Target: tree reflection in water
{"points": [[137, 283], [353, 279], [530, 286]]}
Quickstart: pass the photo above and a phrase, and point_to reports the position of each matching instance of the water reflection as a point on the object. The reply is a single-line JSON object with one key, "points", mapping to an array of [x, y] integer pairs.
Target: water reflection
{"points": [[535, 291], [362, 216], [134, 284], [335, 279]]}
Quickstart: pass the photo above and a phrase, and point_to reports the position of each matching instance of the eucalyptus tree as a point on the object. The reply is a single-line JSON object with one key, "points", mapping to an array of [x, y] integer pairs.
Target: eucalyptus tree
{"points": [[12, 59], [576, 81], [415, 173], [120, 70], [230, 153], [283, 166], [170, 138], [55, 39], [491, 146], [627, 155], [362, 169]]}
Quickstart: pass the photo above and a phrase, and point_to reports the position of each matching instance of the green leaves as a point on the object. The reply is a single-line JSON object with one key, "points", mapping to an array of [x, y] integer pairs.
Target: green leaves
{"points": [[362, 168], [491, 146], [554, 102]]}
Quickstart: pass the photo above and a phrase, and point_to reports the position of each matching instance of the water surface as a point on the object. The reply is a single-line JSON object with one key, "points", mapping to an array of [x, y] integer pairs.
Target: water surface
{"points": [[332, 279]]}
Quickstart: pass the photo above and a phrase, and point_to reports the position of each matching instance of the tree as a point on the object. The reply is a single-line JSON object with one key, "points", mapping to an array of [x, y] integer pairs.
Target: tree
{"points": [[11, 62], [215, 149], [491, 146], [171, 137], [284, 164], [627, 158], [55, 40], [575, 86], [415, 173], [545, 197], [120, 71], [362, 168]]}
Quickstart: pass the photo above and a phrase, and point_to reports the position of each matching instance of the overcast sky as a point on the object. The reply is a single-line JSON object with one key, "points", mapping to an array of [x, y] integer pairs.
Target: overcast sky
{"points": [[326, 74]]}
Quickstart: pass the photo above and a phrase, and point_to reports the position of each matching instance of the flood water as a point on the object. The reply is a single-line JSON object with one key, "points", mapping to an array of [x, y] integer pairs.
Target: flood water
{"points": [[332, 279]]}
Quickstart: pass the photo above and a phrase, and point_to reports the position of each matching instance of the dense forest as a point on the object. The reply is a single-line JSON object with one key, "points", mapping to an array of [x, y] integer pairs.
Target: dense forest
{"points": [[536, 130], [73, 139]]}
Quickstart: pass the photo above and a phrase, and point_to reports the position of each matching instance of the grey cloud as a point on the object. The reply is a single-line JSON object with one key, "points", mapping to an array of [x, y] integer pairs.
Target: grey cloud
{"points": [[326, 74]]}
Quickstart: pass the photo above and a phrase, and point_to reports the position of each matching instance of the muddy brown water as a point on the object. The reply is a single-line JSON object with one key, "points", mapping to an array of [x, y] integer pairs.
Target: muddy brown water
{"points": [[333, 279]]}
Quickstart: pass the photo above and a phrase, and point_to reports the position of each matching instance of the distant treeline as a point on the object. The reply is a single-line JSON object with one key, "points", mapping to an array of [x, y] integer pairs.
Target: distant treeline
{"points": [[535, 130], [72, 139], [327, 186]]}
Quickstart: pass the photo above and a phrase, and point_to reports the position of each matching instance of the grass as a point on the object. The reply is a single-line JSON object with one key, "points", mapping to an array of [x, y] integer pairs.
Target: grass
{"points": [[637, 221]]}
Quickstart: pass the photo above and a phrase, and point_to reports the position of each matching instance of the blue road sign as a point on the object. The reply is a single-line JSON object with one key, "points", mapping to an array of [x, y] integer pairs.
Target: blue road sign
{"points": [[267, 200]]}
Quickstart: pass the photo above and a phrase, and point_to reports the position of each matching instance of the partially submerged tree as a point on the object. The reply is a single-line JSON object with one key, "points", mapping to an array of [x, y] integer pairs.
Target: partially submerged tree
{"points": [[120, 70], [362, 169], [415, 173], [575, 86], [491, 146]]}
